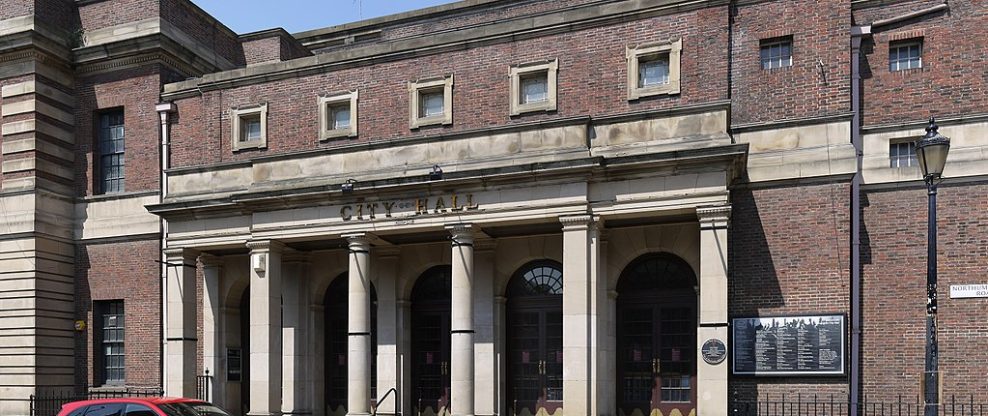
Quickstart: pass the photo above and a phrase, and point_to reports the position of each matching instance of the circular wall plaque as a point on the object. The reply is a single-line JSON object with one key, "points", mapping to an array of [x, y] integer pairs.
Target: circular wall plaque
{"points": [[714, 351]]}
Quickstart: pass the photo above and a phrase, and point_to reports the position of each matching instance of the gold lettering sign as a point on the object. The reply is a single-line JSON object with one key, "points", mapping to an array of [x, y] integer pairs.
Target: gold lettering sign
{"points": [[422, 206]]}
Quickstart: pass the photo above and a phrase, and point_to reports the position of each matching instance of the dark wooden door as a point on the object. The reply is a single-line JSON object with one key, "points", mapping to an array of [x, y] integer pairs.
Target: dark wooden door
{"points": [[656, 357], [535, 346], [431, 314], [430, 369]]}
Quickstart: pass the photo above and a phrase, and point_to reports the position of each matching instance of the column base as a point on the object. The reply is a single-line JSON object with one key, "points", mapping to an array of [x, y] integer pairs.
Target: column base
{"points": [[264, 414], [357, 414]]}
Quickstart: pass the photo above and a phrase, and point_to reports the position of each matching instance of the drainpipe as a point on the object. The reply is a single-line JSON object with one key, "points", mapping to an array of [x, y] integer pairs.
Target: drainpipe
{"points": [[164, 110], [857, 34]]}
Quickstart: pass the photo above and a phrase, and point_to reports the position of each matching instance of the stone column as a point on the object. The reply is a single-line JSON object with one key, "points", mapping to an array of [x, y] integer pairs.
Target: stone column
{"points": [[386, 278], [296, 379], [484, 317], [712, 378], [405, 355], [461, 323], [359, 325], [181, 321], [265, 328], [582, 300], [213, 348], [500, 346]]}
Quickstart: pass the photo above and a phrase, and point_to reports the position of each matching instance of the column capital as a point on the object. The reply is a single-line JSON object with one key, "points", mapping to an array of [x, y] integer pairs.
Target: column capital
{"points": [[580, 222], [265, 245], [187, 256], [461, 234], [209, 260], [712, 217], [359, 242]]}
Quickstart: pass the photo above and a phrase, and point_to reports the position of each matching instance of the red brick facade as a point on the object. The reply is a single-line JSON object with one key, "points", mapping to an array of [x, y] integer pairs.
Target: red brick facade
{"points": [[121, 271], [790, 240]]}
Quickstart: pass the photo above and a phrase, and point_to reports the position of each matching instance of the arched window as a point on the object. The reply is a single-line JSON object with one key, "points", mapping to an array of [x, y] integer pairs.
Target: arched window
{"points": [[540, 278], [659, 271]]}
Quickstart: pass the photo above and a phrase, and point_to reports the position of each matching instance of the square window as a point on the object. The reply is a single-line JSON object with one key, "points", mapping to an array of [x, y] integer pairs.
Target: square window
{"points": [[249, 127], [906, 55], [338, 115], [776, 53], [653, 69], [430, 102], [902, 154], [533, 87]]}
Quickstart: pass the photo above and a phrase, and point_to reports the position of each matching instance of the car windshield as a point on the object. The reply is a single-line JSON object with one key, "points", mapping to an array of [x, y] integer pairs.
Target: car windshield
{"points": [[192, 409]]}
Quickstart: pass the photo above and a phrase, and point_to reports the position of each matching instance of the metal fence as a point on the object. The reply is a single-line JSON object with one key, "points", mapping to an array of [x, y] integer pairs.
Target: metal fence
{"points": [[47, 402], [834, 405], [203, 384]]}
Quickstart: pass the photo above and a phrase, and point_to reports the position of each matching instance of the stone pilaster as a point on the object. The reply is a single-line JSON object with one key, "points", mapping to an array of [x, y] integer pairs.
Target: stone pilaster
{"points": [[180, 333], [484, 316], [712, 378], [359, 325], [388, 372], [462, 358], [583, 296], [296, 372], [265, 328], [213, 346]]}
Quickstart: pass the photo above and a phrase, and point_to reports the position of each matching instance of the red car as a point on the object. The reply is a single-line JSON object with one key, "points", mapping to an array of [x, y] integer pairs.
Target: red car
{"points": [[142, 406]]}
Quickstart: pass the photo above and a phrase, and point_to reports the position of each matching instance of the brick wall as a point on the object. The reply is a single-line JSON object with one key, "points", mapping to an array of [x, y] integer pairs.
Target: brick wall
{"points": [[894, 244], [136, 90], [952, 80], [101, 14], [262, 50], [202, 27], [817, 83], [591, 81], [790, 255], [128, 271]]}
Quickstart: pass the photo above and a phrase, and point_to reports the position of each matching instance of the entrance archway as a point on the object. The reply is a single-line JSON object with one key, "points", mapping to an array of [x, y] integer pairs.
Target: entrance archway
{"points": [[656, 335], [430, 341], [336, 312], [535, 339]]}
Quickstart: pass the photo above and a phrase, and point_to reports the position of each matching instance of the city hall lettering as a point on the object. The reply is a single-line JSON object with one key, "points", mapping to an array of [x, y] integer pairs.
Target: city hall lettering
{"points": [[421, 206]]}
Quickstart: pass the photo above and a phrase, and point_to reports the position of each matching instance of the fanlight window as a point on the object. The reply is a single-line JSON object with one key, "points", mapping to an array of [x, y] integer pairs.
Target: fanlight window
{"points": [[435, 284], [657, 272], [539, 279]]}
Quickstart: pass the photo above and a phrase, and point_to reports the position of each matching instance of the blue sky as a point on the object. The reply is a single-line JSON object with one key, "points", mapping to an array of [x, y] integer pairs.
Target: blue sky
{"points": [[297, 15]]}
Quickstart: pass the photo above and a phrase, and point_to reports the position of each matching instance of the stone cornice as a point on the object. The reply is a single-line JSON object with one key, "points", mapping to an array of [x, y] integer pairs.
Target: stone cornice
{"points": [[265, 245], [793, 122], [726, 157], [592, 15], [920, 124]]}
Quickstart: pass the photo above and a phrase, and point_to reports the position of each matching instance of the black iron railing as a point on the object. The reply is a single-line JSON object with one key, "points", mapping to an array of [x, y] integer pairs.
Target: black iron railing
{"points": [[47, 402], [203, 384], [839, 405]]}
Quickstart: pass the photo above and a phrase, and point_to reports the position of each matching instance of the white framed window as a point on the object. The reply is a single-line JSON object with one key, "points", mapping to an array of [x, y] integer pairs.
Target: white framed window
{"points": [[110, 341], [653, 69], [250, 125], [338, 115], [533, 86], [776, 52], [907, 54], [902, 153], [430, 102]]}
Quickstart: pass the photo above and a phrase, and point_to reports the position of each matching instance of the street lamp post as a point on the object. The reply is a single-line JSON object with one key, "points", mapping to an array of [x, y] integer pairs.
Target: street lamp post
{"points": [[931, 153]]}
